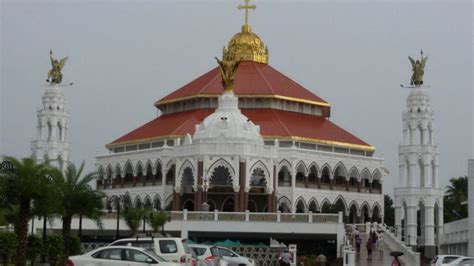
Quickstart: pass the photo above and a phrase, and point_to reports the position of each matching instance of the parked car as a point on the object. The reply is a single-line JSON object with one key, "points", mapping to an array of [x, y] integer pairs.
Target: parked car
{"points": [[462, 261], [441, 260], [118, 256], [211, 255], [170, 248]]}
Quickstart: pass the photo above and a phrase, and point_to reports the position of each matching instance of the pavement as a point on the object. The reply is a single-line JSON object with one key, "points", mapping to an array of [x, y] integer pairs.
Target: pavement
{"points": [[378, 258]]}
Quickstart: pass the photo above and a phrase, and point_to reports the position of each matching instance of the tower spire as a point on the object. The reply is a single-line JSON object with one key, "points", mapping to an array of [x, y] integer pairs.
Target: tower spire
{"points": [[246, 7]]}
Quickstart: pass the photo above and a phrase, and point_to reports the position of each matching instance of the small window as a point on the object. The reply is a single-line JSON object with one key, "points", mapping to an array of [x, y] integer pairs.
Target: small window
{"points": [[168, 246], [110, 254], [226, 253], [136, 256], [199, 251], [449, 259]]}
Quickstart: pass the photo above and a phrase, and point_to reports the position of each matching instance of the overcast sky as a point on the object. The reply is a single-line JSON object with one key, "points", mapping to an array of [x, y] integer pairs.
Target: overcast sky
{"points": [[125, 55]]}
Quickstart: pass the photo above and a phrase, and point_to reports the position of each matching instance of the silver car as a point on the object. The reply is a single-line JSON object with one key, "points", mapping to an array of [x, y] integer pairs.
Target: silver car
{"points": [[218, 256]]}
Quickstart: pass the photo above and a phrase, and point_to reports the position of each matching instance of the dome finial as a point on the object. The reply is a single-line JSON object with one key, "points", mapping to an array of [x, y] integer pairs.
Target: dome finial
{"points": [[246, 26]]}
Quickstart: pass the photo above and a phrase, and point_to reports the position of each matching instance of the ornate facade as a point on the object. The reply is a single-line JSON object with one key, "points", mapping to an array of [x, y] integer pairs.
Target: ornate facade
{"points": [[268, 145]]}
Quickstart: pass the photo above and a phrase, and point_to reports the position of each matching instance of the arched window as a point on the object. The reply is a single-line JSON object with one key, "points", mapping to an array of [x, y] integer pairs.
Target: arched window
{"points": [[420, 133], [284, 177], [325, 176], [149, 173], [50, 131], [139, 172], [312, 207], [300, 206], [109, 176], [221, 176], [258, 178], [313, 176], [187, 180], [128, 173], [60, 132], [159, 174], [170, 176], [157, 204]]}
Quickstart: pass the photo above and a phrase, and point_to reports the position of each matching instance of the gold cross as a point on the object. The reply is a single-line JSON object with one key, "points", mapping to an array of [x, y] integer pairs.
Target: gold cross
{"points": [[246, 7]]}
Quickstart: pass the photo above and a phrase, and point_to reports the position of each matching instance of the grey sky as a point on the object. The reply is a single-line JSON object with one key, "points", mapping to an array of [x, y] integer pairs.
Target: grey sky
{"points": [[125, 55]]}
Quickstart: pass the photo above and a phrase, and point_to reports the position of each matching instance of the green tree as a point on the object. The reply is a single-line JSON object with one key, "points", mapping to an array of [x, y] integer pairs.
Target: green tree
{"points": [[455, 194], [157, 219], [75, 197], [7, 246], [35, 249], [388, 211], [133, 217], [28, 182]]}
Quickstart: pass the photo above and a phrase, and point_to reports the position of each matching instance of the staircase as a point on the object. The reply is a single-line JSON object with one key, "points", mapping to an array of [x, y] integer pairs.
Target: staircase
{"points": [[378, 258]]}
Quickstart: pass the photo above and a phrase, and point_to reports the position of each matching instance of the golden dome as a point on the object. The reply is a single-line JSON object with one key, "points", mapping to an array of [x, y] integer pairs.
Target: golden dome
{"points": [[246, 46]]}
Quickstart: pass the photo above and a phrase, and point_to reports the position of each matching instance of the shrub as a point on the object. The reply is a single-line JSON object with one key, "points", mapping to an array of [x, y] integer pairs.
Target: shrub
{"points": [[34, 248], [75, 246], [54, 249], [7, 246]]}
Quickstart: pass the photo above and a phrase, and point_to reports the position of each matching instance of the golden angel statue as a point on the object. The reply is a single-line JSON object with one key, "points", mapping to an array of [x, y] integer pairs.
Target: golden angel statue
{"points": [[54, 75], [228, 69], [418, 67]]}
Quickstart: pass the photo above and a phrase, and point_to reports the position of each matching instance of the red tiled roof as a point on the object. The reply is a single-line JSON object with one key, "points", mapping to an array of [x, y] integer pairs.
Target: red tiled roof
{"points": [[273, 124], [252, 78]]}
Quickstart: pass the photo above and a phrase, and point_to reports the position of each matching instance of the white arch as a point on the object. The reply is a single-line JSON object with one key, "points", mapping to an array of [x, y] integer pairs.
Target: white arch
{"points": [[301, 199], [221, 162], [301, 167], [311, 201], [340, 197]]}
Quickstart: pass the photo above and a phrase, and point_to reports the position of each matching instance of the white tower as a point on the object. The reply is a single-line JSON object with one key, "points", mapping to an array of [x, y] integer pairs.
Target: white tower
{"points": [[418, 197], [51, 143]]}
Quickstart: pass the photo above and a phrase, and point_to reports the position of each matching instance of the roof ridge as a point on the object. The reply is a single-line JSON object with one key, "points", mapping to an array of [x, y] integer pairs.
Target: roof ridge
{"points": [[264, 79], [182, 124], [281, 122], [209, 83]]}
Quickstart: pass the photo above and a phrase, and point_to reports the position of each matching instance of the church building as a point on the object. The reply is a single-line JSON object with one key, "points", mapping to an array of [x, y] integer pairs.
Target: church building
{"points": [[268, 145]]}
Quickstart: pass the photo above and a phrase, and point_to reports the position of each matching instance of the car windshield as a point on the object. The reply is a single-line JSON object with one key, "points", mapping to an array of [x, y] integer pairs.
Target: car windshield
{"points": [[152, 253]]}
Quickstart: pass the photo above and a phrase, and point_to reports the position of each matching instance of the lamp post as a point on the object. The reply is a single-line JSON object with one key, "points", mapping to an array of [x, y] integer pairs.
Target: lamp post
{"points": [[117, 200]]}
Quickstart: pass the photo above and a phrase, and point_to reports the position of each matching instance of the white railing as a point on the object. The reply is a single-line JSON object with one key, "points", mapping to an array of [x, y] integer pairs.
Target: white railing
{"points": [[255, 217], [409, 257]]}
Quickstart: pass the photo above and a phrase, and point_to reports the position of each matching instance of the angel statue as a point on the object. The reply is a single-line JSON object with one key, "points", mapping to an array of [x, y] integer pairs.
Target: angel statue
{"points": [[418, 67], [228, 69], [54, 75]]}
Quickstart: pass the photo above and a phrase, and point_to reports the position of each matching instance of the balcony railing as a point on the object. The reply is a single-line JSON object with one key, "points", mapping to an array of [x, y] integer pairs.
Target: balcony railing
{"points": [[255, 217]]}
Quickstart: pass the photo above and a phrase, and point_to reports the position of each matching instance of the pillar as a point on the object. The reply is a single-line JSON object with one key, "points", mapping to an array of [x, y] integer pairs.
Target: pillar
{"points": [[331, 181], [359, 184], [306, 181], [270, 202], [411, 177], [197, 199], [398, 222], [347, 184], [236, 199], [410, 225], [242, 178], [275, 182], [370, 186], [429, 226]]}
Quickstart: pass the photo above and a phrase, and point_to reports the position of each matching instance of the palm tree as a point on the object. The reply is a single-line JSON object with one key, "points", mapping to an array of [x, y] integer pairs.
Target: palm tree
{"points": [[133, 218], [157, 219], [75, 197], [28, 182], [455, 194]]}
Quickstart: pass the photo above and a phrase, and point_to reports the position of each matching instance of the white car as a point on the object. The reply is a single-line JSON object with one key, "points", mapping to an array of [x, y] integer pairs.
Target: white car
{"points": [[442, 260], [170, 248], [211, 255], [462, 261], [118, 256]]}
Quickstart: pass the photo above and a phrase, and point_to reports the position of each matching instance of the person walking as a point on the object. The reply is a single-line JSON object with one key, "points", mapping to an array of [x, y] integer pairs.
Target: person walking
{"points": [[369, 248], [380, 244], [358, 242], [285, 258]]}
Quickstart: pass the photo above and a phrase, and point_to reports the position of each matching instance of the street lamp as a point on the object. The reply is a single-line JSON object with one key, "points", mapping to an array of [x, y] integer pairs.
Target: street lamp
{"points": [[117, 200]]}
